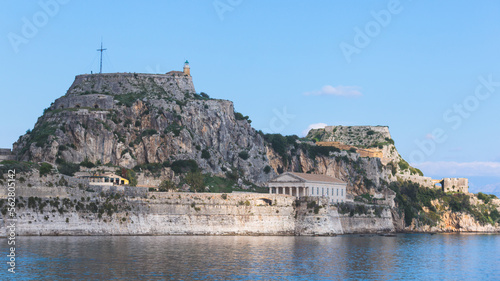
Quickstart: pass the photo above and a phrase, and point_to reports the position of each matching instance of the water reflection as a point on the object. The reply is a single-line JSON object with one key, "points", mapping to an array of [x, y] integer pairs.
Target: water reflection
{"points": [[411, 256]]}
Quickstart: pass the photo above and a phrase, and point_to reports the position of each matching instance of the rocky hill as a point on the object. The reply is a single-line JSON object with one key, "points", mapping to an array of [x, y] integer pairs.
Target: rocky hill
{"points": [[127, 119], [158, 126], [151, 121]]}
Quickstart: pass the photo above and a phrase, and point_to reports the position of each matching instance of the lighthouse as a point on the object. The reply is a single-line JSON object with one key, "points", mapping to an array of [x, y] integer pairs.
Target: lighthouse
{"points": [[186, 68]]}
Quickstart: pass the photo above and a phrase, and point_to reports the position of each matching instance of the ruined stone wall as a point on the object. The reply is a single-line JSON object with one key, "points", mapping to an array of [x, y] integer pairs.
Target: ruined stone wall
{"points": [[456, 185], [6, 154], [423, 181]]}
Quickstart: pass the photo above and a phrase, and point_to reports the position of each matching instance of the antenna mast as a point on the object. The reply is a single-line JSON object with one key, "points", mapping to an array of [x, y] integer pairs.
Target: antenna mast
{"points": [[101, 50]]}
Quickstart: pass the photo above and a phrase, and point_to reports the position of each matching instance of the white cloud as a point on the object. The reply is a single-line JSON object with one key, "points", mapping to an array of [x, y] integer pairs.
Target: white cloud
{"points": [[313, 126], [340, 91], [460, 169]]}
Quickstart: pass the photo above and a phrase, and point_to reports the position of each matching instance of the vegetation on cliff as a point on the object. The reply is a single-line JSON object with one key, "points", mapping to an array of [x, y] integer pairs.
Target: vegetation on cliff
{"points": [[426, 206], [159, 128]]}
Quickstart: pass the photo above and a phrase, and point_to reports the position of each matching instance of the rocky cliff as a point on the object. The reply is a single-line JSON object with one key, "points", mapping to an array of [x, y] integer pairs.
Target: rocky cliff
{"points": [[130, 119], [126, 119], [154, 121]]}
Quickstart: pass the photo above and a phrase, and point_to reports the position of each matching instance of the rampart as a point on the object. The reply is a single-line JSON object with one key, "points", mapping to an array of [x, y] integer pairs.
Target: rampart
{"points": [[6, 154], [174, 213], [363, 152]]}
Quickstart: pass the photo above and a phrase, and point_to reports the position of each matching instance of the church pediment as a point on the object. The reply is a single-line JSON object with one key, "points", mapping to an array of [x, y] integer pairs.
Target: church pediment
{"points": [[287, 178]]}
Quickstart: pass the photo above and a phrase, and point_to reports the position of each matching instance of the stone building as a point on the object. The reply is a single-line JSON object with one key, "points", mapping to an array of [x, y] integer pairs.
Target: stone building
{"points": [[452, 184], [105, 179], [6, 154], [302, 184]]}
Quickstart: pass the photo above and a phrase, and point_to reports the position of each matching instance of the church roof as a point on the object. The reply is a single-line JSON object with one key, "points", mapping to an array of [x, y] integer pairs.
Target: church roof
{"points": [[311, 177]]}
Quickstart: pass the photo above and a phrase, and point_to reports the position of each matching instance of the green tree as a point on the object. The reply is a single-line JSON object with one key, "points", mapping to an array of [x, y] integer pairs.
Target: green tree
{"points": [[243, 155], [205, 154], [130, 175], [45, 169], [166, 185], [87, 163], [195, 181], [267, 169]]}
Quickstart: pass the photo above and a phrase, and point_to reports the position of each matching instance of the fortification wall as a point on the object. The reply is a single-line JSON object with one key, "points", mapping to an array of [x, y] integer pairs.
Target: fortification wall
{"points": [[90, 101], [368, 224], [125, 83], [168, 213], [423, 181], [363, 152], [456, 185], [6, 154]]}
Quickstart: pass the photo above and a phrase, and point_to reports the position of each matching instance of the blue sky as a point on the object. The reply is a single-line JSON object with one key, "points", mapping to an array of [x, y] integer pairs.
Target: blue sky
{"points": [[430, 71]]}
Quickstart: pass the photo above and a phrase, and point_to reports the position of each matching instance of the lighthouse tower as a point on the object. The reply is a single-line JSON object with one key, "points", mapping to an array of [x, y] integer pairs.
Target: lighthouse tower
{"points": [[186, 68]]}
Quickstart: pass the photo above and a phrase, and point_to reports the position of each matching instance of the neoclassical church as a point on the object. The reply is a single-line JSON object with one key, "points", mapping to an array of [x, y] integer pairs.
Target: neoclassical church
{"points": [[302, 184]]}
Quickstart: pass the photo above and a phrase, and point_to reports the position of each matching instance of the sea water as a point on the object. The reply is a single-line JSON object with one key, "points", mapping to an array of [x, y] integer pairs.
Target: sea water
{"points": [[345, 257]]}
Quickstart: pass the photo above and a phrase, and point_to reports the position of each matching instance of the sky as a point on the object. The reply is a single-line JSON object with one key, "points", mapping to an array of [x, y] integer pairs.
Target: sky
{"points": [[428, 70]]}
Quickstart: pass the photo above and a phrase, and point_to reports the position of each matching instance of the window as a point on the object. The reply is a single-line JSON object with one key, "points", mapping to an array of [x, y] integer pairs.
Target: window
{"points": [[322, 191], [342, 193], [327, 191], [337, 192]]}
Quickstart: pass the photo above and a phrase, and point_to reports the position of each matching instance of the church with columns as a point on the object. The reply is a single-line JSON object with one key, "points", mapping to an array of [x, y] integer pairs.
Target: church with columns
{"points": [[311, 185]]}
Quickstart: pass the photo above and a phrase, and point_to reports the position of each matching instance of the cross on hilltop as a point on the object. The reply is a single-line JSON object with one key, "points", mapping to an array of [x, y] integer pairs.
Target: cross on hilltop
{"points": [[101, 50]]}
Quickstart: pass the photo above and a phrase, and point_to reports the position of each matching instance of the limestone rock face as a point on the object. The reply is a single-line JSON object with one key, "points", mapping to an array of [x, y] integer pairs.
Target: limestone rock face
{"points": [[129, 119], [455, 222]]}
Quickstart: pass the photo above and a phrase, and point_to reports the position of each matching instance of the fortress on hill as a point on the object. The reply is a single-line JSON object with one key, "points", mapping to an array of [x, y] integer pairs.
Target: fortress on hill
{"points": [[96, 91], [376, 142], [93, 96]]}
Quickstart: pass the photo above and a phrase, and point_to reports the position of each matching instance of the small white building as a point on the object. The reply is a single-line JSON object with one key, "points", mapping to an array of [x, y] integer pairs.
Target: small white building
{"points": [[302, 184]]}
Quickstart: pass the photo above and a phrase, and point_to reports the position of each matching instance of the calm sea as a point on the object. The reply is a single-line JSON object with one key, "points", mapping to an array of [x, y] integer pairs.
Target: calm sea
{"points": [[406, 256]]}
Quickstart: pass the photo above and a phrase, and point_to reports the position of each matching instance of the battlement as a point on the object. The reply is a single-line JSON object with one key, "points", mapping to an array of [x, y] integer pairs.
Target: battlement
{"points": [[453, 184], [363, 152]]}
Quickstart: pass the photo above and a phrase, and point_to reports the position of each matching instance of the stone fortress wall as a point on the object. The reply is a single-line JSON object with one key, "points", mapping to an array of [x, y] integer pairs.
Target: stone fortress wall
{"points": [[6, 154], [174, 213], [363, 152], [96, 90]]}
